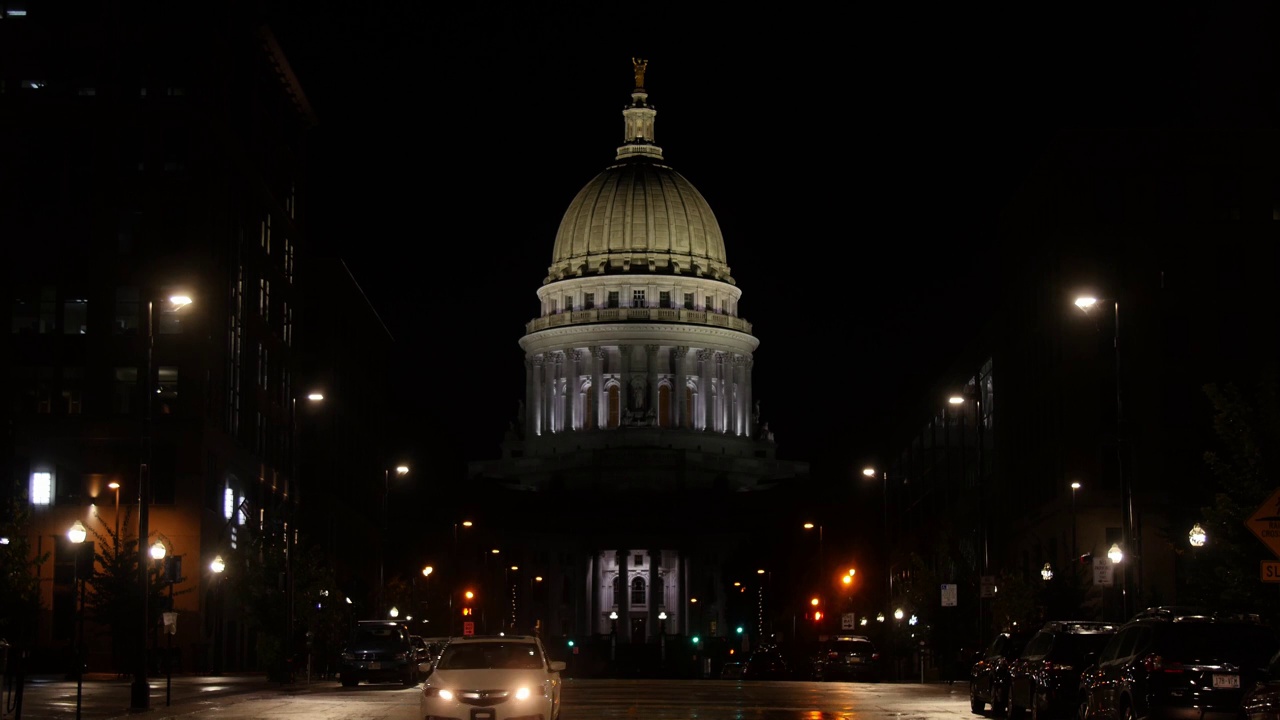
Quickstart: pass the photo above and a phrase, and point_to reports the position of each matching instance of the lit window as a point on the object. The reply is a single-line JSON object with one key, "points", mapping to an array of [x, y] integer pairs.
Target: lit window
{"points": [[228, 503], [41, 488], [242, 518]]}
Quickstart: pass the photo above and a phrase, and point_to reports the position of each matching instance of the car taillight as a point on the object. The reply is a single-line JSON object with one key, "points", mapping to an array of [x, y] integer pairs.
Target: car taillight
{"points": [[875, 656], [1155, 663]]}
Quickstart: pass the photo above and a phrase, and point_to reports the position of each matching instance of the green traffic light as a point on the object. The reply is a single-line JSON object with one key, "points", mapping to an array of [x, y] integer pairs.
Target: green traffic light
{"points": [[695, 639], [570, 643], [739, 629]]}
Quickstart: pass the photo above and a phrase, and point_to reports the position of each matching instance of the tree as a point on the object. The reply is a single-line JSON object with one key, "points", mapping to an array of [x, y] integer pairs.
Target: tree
{"points": [[19, 584], [1224, 573]]}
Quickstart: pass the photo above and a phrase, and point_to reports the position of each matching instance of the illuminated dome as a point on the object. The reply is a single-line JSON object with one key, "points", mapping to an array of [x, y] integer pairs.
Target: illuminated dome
{"points": [[639, 215]]}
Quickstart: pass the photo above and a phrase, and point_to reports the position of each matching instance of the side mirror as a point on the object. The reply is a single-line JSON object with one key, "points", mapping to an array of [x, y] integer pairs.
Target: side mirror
{"points": [[557, 665]]}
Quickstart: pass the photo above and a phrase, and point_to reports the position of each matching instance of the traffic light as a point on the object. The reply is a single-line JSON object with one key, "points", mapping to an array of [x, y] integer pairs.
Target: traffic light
{"points": [[817, 615], [466, 611], [694, 639], [739, 629], [570, 643]]}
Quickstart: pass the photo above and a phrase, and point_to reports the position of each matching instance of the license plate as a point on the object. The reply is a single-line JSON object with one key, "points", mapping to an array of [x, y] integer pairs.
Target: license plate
{"points": [[1226, 681], [483, 714], [855, 660], [375, 666]]}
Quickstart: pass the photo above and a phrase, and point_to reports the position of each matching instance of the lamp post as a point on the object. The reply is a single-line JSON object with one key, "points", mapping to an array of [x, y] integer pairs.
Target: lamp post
{"points": [[975, 392], [822, 568], [1087, 303], [1075, 552], [77, 535], [157, 551], [217, 567], [400, 470], [291, 531], [884, 497], [140, 690], [453, 568], [113, 485]]}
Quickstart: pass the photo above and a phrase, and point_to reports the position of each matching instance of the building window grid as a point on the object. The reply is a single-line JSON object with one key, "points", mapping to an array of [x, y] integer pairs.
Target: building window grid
{"points": [[613, 299], [664, 299], [637, 299], [688, 301], [588, 301]]}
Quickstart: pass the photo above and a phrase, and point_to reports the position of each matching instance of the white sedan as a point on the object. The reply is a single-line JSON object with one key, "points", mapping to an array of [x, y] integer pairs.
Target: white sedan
{"points": [[498, 677]]}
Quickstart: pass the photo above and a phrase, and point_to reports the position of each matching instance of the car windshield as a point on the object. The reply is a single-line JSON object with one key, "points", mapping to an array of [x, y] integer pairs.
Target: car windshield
{"points": [[490, 656], [377, 637]]}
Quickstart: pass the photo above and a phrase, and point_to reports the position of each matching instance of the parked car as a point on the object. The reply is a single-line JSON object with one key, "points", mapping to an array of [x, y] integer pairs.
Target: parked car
{"points": [[989, 677], [848, 657], [1165, 665], [766, 663], [421, 653], [1262, 702], [379, 651], [493, 676], [1045, 677]]}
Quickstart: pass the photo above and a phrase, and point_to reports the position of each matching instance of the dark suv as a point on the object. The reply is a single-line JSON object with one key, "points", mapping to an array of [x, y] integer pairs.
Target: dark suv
{"points": [[379, 650], [1045, 678], [989, 677], [1174, 665], [848, 657]]}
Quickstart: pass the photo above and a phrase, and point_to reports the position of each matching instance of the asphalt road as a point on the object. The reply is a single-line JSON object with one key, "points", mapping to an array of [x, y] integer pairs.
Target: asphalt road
{"points": [[254, 699]]}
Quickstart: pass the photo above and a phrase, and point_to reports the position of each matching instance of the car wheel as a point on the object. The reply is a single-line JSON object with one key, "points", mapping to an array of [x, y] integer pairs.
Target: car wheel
{"points": [[976, 705]]}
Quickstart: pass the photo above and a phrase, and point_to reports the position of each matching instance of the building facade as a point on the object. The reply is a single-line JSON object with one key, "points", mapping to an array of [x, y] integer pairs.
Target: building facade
{"points": [[167, 157], [638, 452]]}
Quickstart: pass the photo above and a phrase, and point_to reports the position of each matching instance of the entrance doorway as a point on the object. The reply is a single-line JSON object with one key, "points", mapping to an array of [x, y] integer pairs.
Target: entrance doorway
{"points": [[637, 630]]}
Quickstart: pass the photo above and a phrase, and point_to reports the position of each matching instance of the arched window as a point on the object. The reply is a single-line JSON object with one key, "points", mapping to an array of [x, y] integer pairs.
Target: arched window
{"points": [[617, 589], [615, 407], [664, 405], [637, 591]]}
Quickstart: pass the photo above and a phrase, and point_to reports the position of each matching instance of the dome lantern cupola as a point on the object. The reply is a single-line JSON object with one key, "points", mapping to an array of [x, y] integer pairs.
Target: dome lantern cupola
{"points": [[638, 117]]}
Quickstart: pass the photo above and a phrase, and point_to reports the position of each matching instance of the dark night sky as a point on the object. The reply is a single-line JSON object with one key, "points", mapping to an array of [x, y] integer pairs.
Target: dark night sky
{"points": [[856, 157]]}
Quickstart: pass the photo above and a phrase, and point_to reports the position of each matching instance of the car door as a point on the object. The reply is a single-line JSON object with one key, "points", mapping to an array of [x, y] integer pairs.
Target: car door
{"points": [[1098, 696], [1021, 685]]}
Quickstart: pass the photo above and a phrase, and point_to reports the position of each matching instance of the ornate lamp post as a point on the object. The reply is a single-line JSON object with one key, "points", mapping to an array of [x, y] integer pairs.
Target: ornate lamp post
{"points": [[140, 690], [77, 535], [401, 471]]}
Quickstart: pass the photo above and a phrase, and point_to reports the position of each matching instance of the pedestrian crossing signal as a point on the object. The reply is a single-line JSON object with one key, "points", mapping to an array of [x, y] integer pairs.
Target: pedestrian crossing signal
{"points": [[466, 611]]}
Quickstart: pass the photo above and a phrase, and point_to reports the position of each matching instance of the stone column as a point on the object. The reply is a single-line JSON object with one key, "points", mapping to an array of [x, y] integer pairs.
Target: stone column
{"points": [[651, 378], [622, 598], [549, 393], [595, 574], [724, 374], [537, 408], [572, 383], [748, 403], [624, 380], [530, 394], [739, 416], [680, 410], [705, 406], [597, 383], [652, 623]]}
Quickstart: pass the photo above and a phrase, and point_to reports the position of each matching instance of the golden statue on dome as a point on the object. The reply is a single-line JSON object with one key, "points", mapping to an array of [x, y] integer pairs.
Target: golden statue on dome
{"points": [[639, 67]]}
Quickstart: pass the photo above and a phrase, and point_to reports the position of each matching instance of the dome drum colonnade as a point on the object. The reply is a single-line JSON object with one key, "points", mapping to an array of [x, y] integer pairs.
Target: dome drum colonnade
{"points": [[654, 363]]}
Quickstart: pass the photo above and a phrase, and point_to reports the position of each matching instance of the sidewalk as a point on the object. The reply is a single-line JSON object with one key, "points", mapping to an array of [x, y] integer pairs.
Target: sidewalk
{"points": [[105, 696]]}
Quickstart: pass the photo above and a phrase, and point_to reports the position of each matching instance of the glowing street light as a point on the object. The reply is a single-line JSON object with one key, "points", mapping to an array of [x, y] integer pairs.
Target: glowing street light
{"points": [[1197, 536], [1115, 553], [1046, 572]]}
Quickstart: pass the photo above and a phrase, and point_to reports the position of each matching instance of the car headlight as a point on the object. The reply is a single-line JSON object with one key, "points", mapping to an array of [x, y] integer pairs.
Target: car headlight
{"points": [[441, 693], [522, 693]]}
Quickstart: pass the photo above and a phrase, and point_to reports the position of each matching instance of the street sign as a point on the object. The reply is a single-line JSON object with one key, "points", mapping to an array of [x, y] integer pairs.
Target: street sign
{"points": [[988, 586], [1103, 572], [1270, 571], [468, 628], [846, 621], [1265, 522], [948, 595]]}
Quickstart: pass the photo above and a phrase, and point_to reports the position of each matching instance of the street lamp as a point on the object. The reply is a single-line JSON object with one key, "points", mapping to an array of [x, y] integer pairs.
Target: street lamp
{"points": [[1197, 536], [113, 485], [1046, 572], [401, 471], [291, 530], [822, 566], [975, 392], [884, 497], [77, 535], [217, 567], [1075, 553], [140, 690], [1086, 304]]}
